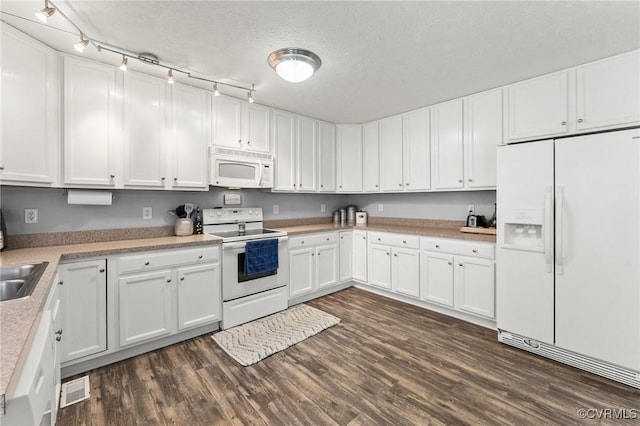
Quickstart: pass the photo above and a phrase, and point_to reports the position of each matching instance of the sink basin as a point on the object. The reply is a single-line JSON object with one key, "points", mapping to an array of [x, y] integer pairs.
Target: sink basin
{"points": [[17, 282]]}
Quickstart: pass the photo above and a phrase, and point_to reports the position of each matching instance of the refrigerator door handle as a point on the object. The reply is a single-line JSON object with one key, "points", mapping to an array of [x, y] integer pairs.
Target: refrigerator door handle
{"points": [[548, 234], [559, 243]]}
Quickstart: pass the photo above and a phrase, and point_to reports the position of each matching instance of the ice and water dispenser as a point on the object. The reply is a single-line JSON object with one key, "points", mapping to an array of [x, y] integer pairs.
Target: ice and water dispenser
{"points": [[523, 229]]}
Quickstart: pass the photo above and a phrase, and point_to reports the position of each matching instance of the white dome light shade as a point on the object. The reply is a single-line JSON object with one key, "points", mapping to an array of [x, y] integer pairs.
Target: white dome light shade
{"points": [[293, 64]]}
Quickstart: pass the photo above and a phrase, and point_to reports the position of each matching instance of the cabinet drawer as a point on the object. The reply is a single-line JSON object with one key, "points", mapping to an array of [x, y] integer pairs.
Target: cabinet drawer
{"points": [[397, 240], [310, 240], [154, 260], [465, 248]]}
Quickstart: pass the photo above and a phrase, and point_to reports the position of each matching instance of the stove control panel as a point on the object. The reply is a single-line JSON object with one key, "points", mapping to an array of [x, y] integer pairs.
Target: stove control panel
{"points": [[231, 215]]}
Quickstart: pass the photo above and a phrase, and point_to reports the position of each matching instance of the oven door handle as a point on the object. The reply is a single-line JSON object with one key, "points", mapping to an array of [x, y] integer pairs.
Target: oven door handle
{"points": [[244, 244]]}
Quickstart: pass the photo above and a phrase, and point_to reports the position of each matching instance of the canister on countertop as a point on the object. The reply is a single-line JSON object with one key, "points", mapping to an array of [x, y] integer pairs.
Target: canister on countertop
{"points": [[351, 214], [336, 217], [361, 218], [343, 216]]}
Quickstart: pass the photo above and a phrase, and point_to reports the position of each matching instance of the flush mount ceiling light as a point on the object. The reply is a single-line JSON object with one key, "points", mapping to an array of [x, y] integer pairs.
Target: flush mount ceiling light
{"points": [[294, 64]]}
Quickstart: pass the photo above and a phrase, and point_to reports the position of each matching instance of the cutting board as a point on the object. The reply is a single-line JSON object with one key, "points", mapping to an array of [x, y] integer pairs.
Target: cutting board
{"points": [[488, 231]]}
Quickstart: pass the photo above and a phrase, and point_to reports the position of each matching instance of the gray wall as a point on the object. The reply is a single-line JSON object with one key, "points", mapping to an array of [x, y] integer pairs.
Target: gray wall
{"points": [[55, 215]]}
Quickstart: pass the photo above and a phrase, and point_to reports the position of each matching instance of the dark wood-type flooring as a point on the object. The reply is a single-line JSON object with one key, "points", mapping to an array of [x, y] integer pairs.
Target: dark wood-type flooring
{"points": [[386, 363]]}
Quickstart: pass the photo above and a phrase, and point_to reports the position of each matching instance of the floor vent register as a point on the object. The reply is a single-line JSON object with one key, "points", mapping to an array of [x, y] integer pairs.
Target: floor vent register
{"points": [[74, 391]]}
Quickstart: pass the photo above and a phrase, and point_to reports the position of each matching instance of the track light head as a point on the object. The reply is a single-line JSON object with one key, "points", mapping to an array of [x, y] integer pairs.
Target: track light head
{"points": [[45, 12], [250, 97], [82, 44], [170, 79], [215, 90], [123, 65]]}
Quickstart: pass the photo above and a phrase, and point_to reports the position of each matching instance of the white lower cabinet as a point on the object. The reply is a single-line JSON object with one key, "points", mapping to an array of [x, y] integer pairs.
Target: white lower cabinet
{"points": [[405, 271], [83, 288], [163, 293], [346, 255], [463, 282], [36, 396], [379, 265], [394, 262], [313, 263], [359, 254]]}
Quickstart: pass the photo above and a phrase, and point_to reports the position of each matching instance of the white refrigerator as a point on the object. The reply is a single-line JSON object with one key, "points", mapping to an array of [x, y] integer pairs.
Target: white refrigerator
{"points": [[568, 256]]}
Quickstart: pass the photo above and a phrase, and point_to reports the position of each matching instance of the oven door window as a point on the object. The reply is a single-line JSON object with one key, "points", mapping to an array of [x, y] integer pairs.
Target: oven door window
{"points": [[242, 277]]}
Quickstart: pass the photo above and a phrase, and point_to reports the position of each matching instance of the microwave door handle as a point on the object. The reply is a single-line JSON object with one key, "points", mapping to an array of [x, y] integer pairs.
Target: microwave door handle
{"points": [[261, 173]]}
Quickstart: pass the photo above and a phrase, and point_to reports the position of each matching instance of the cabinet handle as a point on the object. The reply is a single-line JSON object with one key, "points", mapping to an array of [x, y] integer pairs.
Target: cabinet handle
{"points": [[376, 186], [342, 238], [318, 254], [379, 239], [181, 278], [387, 253], [169, 280], [60, 282], [340, 186], [459, 180], [1, 167], [580, 120], [407, 184], [364, 238], [239, 141], [112, 176], [404, 241], [146, 263], [395, 254], [327, 238], [437, 245], [460, 264], [200, 257], [313, 254], [294, 185], [175, 179], [248, 142], [58, 338], [101, 270], [59, 332], [163, 178], [399, 184], [470, 180], [302, 242], [474, 250], [449, 263], [564, 123], [321, 186]]}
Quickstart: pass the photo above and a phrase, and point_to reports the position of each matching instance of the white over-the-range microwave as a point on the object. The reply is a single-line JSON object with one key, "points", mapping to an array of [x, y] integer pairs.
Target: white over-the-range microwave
{"points": [[234, 168]]}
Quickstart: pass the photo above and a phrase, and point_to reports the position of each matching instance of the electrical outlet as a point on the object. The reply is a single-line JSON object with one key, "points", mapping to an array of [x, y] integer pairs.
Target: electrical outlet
{"points": [[471, 209], [323, 208], [147, 213], [30, 215], [276, 209], [380, 207]]}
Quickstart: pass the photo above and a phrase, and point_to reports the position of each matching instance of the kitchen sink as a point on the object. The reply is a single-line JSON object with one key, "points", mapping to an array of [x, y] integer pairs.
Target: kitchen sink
{"points": [[17, 282]]}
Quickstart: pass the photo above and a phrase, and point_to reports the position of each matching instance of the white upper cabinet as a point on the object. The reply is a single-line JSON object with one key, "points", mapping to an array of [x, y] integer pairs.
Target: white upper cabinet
{"points": [[416, 150], [482, 135], [284, 146], [391, 178], [349, 170], [241, 125], [92, 123], [326, 157], [190, 137], [538, 107], [29, 152], [307, 149], [446, 140], [608, 92], [370, 157], [144, 131]]}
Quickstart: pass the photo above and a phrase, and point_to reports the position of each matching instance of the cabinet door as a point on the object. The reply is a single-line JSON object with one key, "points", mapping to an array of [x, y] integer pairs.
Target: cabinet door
{"points": [[446, 140], [391, 178], [379, 265], [406, 271], [284, 142], [349, 158], [301, 271], [437, 278], [227, 122], [538, 108], [326, 157], [370, 157], [475, 285], [145, 306], [416, 148], [84, 312], [55, 306], [144, 130], [307, 148], [483, 134], [192, 132], [199, 295], [30, 107], [360, 256], [346, 256], [258, 128], [326, 266], [92, 123], [607, 92]]}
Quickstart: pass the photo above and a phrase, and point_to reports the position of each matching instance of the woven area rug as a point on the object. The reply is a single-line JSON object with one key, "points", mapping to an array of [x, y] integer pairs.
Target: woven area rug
{"points": [[254, 341]]}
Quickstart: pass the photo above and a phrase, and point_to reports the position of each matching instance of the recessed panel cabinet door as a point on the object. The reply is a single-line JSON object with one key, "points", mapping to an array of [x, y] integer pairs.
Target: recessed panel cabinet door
{"points": [[391, 178], [145, 306], [437, 278], [416, 150], [346, 255], [284, 143], [446, 140], [370, 157], [379, 265], [144, 130], [406, 271], [199, 295], [258, 128], [92, 123], [483, 134], [307, 149], [349, 171], [228, 122], [302, 271], [30, 108], [327, 157], [360, 256], [475, 285], [327, 266]]}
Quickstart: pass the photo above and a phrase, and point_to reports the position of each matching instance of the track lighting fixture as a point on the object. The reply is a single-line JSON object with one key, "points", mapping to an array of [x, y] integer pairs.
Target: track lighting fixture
{"points": [[80, 46], [250, 97], [170, 79], [215, 89], [45, 12], [123, 65]]}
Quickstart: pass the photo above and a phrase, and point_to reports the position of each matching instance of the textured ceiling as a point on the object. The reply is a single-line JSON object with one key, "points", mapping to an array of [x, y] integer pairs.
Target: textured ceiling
{"points": [[378, 58]]}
